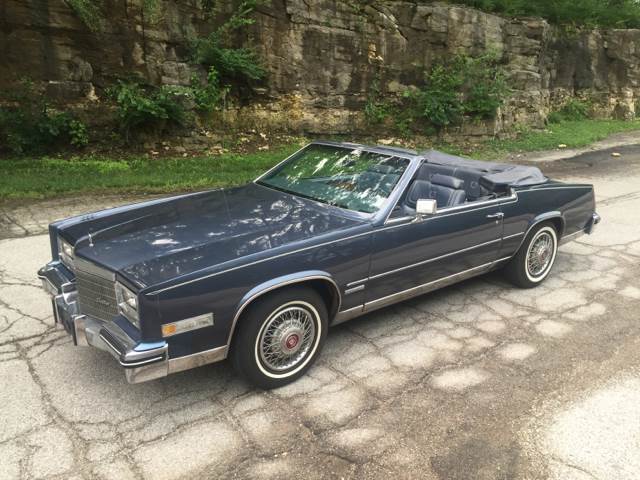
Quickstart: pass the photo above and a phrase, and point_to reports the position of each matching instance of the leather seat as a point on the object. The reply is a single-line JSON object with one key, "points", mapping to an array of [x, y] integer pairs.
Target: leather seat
{"points": [[446, 191]]}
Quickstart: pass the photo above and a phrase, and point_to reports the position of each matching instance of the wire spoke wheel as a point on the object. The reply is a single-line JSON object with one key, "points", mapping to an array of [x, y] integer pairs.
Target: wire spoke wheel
{"points": [[287, 338], [540, 254]]}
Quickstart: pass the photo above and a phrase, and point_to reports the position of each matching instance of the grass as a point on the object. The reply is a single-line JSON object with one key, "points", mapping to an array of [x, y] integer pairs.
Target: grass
{"points": [[573, 134], [44, 177], [49, 177]]}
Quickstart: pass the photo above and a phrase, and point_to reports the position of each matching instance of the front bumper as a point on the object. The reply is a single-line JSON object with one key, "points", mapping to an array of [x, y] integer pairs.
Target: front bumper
{"points": [[141, 361]]}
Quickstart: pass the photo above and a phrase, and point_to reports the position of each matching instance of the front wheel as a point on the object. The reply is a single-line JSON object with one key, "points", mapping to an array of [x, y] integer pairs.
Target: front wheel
{"points": [[533, 262], [279, 337]]}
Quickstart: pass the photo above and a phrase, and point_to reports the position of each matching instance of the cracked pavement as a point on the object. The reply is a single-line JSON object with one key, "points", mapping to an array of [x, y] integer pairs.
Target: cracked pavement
{"points": [[479, 380]]}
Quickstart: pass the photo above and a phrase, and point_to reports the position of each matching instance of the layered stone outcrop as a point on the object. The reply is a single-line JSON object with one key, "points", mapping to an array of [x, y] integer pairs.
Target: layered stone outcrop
{"points": [[322, 57]]}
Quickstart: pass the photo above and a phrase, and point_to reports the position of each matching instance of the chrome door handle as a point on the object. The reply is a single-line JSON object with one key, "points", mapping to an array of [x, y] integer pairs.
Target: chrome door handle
{"points": [[496, 216]]}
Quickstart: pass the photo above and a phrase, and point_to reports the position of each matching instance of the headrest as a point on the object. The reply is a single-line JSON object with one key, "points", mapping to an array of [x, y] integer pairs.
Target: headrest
{"points": [[446, 181]]}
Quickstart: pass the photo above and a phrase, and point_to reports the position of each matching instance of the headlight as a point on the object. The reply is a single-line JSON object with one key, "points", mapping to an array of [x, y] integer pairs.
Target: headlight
{"points": [[65, 252], [127, 303]]}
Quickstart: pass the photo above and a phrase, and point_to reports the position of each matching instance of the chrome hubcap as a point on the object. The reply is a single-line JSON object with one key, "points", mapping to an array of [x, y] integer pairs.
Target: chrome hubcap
{"points": [[540, 254], [287, 338]]}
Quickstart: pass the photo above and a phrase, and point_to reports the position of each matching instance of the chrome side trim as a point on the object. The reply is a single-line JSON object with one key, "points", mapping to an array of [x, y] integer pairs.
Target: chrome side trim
{"points": [[557, 187], [415, 291], [513, 236], [467, 207], [430, 286], [441, 257], [349, 291], [393, 221], [274, 287], [484, 204], [197, 359], [347, 315], [358, 282], [572, 236]]}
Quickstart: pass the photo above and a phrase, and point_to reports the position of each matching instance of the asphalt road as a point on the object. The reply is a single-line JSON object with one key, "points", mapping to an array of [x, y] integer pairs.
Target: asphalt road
{"points": [[477, 381]]}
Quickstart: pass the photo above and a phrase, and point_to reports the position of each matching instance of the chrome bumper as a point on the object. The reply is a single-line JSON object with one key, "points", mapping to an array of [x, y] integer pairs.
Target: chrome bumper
{"points": [[141, 361], [595, 220]]}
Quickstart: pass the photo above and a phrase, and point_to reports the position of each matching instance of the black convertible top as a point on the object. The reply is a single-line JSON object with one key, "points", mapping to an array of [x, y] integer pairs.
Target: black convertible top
{"points": [[500, 175]]}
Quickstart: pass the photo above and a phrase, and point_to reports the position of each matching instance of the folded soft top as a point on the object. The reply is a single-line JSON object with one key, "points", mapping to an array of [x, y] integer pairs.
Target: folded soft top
{"points": [[498, 174]]}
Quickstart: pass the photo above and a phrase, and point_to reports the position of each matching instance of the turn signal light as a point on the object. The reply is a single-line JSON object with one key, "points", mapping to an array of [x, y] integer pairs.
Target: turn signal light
{"points": [[169, 329], [187, 325]]}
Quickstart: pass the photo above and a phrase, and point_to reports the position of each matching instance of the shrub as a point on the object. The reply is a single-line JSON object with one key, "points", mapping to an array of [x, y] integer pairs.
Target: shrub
{"points": [[142, 107], [464, 87], [216, 50], [28, 125], [573, 110], [376, 110], [439, 101], [211, 95]]}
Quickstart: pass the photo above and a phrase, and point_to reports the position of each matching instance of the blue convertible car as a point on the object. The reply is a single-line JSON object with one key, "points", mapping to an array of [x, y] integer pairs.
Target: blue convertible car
{"points": [[258, 273]]}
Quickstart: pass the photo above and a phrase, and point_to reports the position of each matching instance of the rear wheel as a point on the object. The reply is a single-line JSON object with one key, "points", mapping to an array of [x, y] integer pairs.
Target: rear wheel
{"points": [[534, 261], [279, 337]]}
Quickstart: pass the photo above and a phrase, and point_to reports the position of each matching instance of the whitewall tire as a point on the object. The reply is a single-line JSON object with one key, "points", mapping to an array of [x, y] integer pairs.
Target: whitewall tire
{"points": [[279, 337], [533, 263]]}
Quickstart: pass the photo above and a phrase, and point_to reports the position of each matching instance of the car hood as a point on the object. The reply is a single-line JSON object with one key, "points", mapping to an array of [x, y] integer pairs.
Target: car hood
{"points": [[163, 240]]}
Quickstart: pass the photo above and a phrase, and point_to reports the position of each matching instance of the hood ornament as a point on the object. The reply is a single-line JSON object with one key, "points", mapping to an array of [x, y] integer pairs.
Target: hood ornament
{"points": [[90, 240]]}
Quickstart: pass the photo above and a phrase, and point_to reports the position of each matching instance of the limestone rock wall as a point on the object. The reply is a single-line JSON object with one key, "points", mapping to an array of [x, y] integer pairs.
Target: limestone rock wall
{"points": [[322, 57]]}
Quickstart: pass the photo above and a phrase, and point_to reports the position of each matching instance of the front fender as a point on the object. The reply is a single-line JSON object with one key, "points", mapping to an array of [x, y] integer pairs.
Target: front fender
{"points": [[275, 283]]}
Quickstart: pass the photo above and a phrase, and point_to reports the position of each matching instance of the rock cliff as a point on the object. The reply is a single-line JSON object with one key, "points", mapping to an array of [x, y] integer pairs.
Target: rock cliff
{"points": [[322, 57]]}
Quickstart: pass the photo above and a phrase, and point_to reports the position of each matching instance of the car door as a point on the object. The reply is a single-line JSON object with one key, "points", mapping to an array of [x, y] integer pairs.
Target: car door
{"points": [[439, 247]]}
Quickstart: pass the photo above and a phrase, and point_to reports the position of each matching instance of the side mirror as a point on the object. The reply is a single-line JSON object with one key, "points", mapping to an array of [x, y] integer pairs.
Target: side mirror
{"points": [[426, 207]]}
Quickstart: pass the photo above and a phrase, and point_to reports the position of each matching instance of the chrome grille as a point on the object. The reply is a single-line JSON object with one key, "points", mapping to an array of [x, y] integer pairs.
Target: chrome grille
{"points": [[96, 291]]}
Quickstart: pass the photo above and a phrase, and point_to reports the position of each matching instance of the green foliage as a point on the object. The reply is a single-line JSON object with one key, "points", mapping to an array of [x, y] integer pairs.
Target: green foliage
{"points": [[439, 101], [216, 50], [78, 133], [88, 11], [29, 126], [463, 87], [573, 110], [591, 13], [376, 110], [211, 95], [145, 108]]}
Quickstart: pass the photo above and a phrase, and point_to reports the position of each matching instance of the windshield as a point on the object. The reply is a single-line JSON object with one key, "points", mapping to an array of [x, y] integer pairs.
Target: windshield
{"points": [[349, 178]]}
